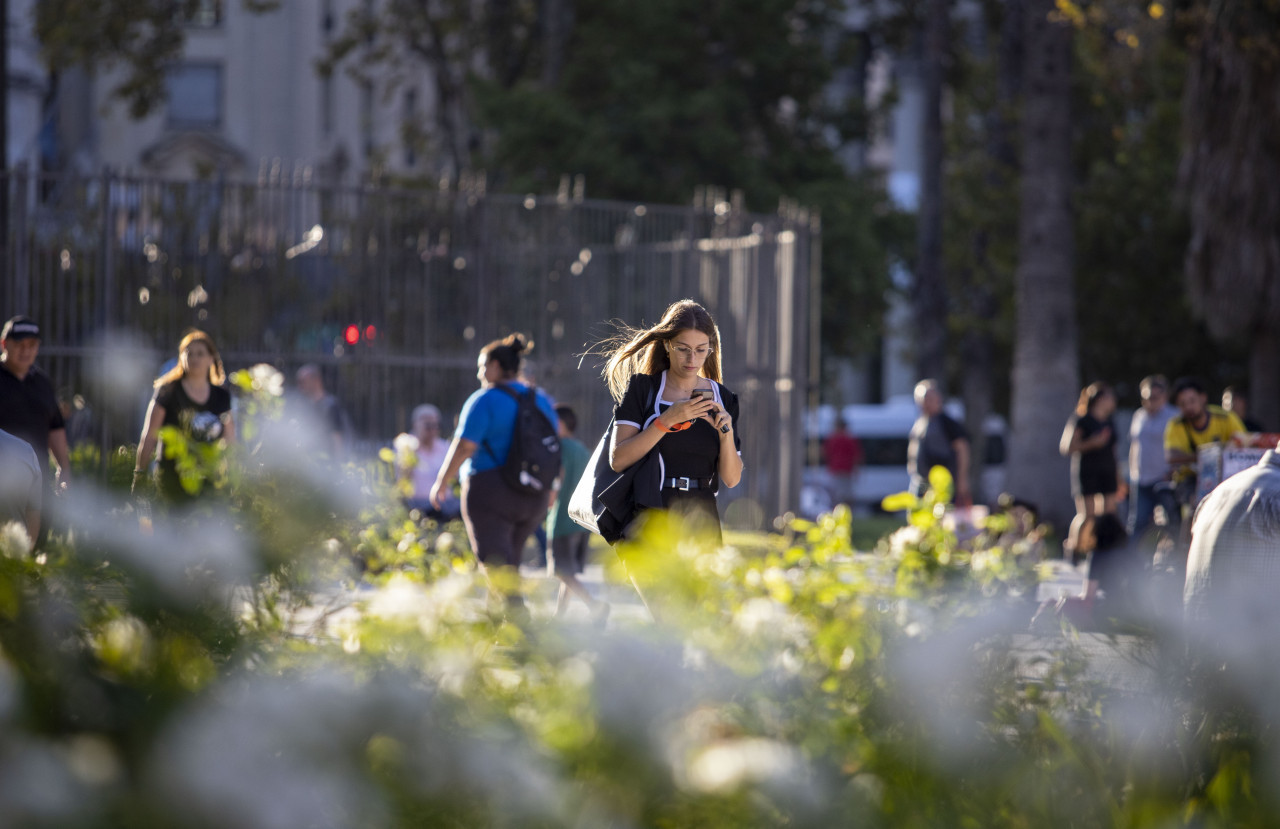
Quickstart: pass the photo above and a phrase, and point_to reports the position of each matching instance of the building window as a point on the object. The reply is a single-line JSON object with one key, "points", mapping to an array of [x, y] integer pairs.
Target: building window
{"points": [[206, 14], [195, 95]]}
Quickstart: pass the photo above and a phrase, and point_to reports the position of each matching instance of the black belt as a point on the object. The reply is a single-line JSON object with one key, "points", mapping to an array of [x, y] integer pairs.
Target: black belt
{"points": [[687, 483]]}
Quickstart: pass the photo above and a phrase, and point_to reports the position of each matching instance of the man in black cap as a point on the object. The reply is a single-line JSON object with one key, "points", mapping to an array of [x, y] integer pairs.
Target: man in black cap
{"points": [[28, 404]]}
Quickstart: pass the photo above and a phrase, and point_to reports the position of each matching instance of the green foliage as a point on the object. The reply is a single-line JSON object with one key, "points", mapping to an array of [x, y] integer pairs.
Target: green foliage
{"points": [[658, 99], [215, 667], [1132, 229], [1134, 316]]}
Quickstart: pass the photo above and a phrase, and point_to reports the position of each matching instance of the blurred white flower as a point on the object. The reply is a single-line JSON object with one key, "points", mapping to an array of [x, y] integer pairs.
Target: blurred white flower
{"points": [[267, 378], [405, 446], [905, 538], [730, 764], [14, 541], [401, 598], [270, 755], [93, 760], [123, 367], [283, 752], [188, 565], [124, 643], [759, 614]]}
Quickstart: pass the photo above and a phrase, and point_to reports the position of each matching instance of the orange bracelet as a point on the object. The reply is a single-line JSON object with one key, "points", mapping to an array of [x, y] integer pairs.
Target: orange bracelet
{"points": [[679, 427]]}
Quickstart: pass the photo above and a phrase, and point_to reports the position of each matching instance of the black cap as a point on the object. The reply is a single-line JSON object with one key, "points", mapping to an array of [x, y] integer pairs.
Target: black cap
{"points": [[20, 328]]}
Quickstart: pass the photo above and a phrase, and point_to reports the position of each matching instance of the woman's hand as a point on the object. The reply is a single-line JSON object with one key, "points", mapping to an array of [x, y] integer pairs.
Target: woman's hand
{"points": [[691, 409], [719, 418]]}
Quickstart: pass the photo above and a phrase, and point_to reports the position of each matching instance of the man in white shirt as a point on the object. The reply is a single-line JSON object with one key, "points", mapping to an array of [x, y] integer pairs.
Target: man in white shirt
{"points": [[1148, 467], [419, 456], [1233, 575]]}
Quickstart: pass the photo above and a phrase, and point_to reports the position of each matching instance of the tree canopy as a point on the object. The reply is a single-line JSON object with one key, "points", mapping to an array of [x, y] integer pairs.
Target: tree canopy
{"points": [[650, 102]]}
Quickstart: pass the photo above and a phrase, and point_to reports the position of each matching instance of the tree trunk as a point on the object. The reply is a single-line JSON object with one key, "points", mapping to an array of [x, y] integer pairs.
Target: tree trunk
{"points": [[1045, 364], [1264, 378], [555, 17], [978, 347], [929, 291], [1230, 165], [978, 379]]}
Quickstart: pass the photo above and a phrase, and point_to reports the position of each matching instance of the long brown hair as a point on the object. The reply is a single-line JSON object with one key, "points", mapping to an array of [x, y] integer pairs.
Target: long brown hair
{"points": [[641, 350], [1089, 395], [217, 374]]}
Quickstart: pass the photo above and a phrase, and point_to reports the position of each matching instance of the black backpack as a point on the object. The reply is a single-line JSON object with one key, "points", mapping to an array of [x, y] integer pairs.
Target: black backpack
{"points": [[534, 459]]}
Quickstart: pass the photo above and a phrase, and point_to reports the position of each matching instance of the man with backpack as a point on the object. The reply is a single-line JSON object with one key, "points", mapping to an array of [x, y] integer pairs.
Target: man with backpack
{"points": [[506, 452]]}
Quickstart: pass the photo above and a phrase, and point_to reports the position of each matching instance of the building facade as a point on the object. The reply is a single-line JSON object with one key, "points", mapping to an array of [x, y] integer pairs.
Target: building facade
{"points": [[28, 88], [247, 100]]}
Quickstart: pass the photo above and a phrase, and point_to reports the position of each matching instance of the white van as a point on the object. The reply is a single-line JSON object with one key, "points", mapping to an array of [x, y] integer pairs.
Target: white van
{"points": [[884, 430]]}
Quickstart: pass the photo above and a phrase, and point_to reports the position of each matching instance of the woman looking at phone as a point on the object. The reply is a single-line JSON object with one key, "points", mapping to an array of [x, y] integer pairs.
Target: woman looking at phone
{"points": [[666, 383]]}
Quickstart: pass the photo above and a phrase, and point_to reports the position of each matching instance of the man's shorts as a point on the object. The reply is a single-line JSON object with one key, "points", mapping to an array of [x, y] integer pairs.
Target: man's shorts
{"points": [[568, 553]]}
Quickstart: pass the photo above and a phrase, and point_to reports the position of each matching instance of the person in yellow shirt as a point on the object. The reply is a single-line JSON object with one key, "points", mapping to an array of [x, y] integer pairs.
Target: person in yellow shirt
{"points": [[1196, 424]]}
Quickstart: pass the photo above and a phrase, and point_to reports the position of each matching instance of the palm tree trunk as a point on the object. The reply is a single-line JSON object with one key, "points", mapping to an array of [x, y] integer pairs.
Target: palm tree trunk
{"points": [[1230, 165], [1264, 378], [1045, 365], [978, 347], [929, 294]]}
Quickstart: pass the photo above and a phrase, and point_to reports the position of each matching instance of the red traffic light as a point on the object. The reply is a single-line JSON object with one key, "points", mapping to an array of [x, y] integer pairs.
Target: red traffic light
{"points": [[371, 332], [352, 334]]}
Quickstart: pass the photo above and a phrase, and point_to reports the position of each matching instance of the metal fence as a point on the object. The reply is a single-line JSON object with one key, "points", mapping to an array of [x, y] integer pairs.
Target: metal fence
{"points": [[393, 292]]}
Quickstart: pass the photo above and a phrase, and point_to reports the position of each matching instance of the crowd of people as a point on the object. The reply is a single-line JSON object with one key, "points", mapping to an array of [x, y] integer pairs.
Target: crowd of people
{"points": [[1149, 518], [1134, 512], [675, 424], [674, 435]]}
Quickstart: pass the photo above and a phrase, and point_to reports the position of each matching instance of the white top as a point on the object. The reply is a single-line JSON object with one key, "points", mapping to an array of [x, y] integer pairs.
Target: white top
{"points": [[1146, 440], [429, 462], [21, 479]]}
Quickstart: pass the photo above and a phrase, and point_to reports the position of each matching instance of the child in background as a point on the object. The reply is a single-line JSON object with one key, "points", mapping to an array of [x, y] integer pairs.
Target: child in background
{"points": [[568, 542]]}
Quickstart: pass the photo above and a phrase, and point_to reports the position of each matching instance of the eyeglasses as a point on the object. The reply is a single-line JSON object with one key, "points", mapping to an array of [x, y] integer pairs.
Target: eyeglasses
{"points": [[699, 354]]}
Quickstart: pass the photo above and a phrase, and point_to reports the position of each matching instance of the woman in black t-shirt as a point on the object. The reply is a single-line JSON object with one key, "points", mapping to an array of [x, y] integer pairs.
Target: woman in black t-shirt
{"points": [[1090, 441], [190, 397], [666, 381]]}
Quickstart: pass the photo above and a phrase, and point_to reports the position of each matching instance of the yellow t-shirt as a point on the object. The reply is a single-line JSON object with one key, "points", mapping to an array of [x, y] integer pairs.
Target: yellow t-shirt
{"points": [[1183, 437]]}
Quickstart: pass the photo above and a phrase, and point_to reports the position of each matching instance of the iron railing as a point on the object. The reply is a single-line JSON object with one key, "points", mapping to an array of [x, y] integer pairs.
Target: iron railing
{"points": [[278, 270]]}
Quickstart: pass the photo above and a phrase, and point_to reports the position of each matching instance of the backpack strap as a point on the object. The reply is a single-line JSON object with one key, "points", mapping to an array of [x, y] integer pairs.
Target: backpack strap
{"points": [[515, 395]]}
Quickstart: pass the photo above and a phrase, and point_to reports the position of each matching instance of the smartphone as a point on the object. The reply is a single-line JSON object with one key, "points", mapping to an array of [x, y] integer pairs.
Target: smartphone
{"points": [[706, 394]]}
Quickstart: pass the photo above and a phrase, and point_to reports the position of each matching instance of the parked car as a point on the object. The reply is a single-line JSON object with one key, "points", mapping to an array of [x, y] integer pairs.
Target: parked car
{"points": [[884, 430]]}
